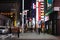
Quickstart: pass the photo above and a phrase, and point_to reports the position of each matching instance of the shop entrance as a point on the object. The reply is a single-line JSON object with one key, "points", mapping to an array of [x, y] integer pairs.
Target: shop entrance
{"points": [[53, 23]]}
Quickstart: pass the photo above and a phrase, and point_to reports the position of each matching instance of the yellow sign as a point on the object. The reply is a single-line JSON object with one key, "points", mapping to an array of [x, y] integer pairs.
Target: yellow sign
{"points": [[15, 23], [42, 14]]}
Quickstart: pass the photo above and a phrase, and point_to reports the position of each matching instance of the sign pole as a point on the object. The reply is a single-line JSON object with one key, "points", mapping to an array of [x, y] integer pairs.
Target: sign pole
{"points": [[22, 16]]}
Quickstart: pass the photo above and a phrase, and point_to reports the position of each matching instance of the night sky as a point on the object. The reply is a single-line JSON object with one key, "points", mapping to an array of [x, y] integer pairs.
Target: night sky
{"points": [[27, 4]]}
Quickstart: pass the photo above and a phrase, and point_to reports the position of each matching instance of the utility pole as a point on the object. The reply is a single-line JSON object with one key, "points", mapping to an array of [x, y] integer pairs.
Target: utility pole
{"points": [[36, 14], [22, 16]]}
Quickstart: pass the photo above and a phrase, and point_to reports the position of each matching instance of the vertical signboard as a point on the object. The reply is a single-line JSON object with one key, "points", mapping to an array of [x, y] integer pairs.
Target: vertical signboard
{"points": [[39, 11], [49, 4]]}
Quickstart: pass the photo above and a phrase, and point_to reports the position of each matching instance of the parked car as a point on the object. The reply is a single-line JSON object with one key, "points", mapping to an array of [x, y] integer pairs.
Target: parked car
{"points": [[4, 30]]}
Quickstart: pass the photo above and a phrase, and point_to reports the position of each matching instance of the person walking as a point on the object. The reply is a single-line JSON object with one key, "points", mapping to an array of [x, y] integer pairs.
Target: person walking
{"points": [[39, 27]]}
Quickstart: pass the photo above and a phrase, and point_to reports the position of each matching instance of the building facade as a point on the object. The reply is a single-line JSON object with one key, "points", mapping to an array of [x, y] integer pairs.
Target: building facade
{"points": [[57, 11], [10, 9], [54, 18]]}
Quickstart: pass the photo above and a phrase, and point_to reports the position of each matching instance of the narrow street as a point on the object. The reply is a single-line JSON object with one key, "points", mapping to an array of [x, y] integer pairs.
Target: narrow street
{"points": [[30, 20], [30, 36]]}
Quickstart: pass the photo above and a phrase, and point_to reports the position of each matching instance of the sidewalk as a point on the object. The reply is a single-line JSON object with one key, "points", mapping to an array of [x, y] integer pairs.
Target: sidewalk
{"points": [[35, 36]]}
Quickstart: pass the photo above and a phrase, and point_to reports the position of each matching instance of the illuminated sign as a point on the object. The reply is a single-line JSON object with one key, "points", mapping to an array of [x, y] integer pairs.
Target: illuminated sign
{"points": [[39, 11], [56, 8], [42, 14], [50, 1], [41, 0], [42, 17], [49, 4], [34, 6], [46, 18], [49, 7]]}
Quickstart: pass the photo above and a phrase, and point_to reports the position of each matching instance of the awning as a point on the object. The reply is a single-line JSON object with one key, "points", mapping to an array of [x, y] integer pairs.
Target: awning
{"points": [[49, 12]]}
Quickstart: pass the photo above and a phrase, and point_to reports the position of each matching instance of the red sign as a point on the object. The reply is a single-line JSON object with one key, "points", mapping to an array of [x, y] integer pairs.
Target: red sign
{"points": [[39, 11]]}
